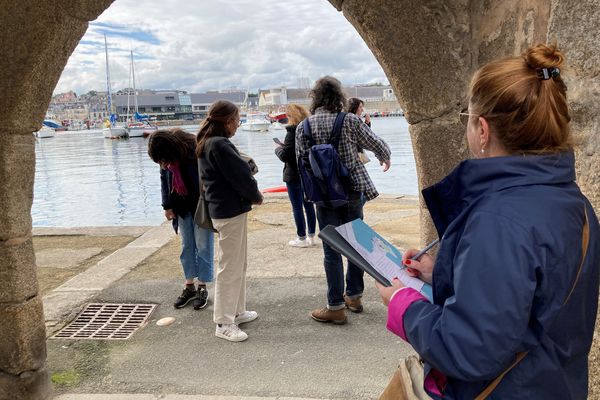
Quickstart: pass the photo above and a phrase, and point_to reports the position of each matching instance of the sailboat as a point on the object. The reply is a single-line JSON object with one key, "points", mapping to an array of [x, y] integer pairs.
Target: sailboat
{"points": [[111, 130], [139, 125]]}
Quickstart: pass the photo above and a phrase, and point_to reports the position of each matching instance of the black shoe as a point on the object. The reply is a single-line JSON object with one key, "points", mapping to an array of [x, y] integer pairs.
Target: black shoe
{"points": [[201, 299], [186, 296]]}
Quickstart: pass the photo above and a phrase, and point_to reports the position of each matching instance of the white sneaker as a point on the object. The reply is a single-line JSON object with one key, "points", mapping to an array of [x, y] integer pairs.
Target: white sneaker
{"points": [[298, 243], [246, 316], [310, 240], [230, 332]]}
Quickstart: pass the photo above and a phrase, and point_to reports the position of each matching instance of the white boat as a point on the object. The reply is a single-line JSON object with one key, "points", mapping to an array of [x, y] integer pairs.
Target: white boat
{"points": [[45, 132], [255, 123], [139, 129], [140, 126], [114, 132]]}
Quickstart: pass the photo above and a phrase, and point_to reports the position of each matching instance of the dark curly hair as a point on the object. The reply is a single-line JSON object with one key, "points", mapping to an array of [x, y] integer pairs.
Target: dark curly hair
{"points": [[171, 145], [327, 93]]}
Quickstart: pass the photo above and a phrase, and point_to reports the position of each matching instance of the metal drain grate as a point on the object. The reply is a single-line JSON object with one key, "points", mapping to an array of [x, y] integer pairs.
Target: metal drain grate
{"points": [[105, 321]]}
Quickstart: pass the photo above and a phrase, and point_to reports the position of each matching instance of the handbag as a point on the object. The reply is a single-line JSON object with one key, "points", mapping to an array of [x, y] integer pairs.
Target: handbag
{"points": [[407, 381], [201, 216]]}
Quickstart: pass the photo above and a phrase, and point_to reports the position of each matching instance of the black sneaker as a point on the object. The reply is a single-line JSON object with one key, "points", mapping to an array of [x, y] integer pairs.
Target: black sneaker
{"points": [[186, 296], [201, 299]]}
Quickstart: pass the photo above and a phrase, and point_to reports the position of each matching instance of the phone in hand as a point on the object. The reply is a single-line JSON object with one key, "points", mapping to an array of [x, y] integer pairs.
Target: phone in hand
{"points": [[276, 140]]}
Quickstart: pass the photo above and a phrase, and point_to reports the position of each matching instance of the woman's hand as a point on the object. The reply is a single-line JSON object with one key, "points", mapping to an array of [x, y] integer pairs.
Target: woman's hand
{"points": [[422, 269], [170, 215], [386, 292]]}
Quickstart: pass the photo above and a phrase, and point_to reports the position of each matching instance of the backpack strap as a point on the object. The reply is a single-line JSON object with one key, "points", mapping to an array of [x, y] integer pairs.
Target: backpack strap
{"points": [[306, 132], [337, 129], [585, 239]]}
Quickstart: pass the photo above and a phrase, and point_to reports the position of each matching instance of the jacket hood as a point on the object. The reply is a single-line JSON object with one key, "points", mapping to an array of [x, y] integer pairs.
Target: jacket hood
{"points": [[475, 178]]}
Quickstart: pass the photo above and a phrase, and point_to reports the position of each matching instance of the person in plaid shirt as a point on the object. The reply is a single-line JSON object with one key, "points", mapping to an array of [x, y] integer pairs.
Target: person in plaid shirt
{"points": [[327, 101]]}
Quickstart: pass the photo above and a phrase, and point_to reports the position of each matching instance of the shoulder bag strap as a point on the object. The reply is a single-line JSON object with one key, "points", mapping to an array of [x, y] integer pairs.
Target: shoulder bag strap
{"points": [[337, 129], [306, 131], [585, 239], [200, 181]]}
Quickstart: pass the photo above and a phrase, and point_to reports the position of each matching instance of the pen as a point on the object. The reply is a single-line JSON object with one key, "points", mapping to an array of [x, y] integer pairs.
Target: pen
{"points": [[425, 250]]}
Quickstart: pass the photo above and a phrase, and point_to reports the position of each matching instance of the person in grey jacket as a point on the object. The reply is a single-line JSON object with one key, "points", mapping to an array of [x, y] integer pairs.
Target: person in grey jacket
{"points": [[230, 190]]}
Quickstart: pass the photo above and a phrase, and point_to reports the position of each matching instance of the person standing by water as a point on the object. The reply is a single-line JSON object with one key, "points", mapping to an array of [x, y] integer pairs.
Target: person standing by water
{"points": [[515, 280], [174, 151], [230, 192], [328, 101], [287, 153], [357, 106]]}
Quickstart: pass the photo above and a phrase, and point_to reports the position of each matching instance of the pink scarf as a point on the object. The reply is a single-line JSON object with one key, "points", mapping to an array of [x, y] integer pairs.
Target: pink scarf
{"points": [[178, 186]]}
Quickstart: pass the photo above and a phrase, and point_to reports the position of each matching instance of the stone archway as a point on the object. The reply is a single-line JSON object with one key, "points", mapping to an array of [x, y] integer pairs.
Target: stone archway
{"points": [[427, 49]]}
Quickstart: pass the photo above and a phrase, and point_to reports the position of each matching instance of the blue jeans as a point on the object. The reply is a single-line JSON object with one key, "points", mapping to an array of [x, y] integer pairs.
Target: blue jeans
{"points": [[197, 249], [296, 196], [334, 267]]}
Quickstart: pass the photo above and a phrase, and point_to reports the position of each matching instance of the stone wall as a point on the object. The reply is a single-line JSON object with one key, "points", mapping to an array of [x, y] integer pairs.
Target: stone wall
{"points": [[428, 49], [37, 39]]}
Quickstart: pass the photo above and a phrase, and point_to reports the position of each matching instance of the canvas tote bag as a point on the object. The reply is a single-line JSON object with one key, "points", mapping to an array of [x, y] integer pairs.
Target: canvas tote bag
{"points": [[407, 381]]}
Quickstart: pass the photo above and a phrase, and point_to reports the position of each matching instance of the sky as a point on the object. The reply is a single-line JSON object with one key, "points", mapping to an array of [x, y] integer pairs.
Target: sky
{"points": [[217, 45]]}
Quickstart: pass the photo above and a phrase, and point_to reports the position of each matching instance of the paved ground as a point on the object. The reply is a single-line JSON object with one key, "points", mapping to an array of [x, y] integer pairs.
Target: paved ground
{"points": [[287, 355]]}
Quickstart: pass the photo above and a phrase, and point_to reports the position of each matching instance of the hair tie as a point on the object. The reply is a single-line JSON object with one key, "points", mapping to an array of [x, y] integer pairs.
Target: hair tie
{"points": [[547, 73]]}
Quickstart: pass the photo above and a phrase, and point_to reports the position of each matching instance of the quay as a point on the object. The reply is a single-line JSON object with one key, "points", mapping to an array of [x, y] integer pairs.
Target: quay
{"points": [[287, 356]]}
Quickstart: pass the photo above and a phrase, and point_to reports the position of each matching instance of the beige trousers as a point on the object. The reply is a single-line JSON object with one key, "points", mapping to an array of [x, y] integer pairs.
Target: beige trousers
{"points": [[230, 280]]}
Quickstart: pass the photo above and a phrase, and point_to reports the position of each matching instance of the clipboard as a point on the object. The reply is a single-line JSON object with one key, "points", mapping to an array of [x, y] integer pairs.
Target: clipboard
{"points": [[337, 242]]}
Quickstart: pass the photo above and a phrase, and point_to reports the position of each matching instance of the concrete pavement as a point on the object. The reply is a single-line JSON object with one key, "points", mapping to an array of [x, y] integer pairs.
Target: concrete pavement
{"points": [[288, 356]]}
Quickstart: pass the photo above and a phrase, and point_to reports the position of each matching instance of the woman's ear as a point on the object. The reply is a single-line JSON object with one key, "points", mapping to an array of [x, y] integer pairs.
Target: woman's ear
{"points": [[484, 133]]}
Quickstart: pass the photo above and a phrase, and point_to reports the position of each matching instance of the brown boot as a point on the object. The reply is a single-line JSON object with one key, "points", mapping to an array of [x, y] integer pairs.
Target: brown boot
{"points": [[354, 305], [324, 314]]}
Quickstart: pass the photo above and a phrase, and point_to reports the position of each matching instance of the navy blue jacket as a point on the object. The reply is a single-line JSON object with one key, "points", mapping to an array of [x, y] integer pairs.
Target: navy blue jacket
{"points": [[230, 187], [511, 231], [181, 205]]}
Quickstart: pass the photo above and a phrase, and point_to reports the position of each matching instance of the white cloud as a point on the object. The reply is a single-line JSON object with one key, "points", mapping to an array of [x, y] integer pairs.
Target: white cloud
{"points": [[211, 44]]}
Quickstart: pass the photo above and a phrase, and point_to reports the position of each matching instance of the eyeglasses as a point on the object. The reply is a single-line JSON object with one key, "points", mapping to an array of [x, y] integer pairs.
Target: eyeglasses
{"points": [[463, 116]]}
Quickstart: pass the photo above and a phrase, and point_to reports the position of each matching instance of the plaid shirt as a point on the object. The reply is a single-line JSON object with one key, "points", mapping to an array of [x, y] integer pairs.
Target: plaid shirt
{"points": [[355, 135]]}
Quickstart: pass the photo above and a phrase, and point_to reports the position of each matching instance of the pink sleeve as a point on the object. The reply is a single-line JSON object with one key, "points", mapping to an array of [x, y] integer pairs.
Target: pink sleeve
{"points": [[397, 307]]}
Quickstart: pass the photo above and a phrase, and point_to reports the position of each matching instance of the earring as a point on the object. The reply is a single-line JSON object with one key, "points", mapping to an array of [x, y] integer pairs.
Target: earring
{"points": [[482, 150]]}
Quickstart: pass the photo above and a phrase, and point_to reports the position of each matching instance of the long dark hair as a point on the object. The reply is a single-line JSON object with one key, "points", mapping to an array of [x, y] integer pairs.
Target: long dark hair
{"points": [[219, 114], [171, 145], [327, 93], [353, 104]]}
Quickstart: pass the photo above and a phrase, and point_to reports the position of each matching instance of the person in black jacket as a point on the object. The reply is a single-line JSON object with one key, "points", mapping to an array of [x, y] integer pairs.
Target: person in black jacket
{"points": [[287, 154], [174, 151], [230, 192]]}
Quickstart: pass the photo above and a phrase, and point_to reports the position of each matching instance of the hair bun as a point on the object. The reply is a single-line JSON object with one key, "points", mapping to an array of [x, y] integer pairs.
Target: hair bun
{"points": [[544, 56]]}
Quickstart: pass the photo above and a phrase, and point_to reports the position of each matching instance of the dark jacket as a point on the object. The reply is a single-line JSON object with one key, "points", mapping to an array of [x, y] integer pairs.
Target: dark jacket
{"points": [[511, 246], [230, 187], [287, 154], [181, 205]]}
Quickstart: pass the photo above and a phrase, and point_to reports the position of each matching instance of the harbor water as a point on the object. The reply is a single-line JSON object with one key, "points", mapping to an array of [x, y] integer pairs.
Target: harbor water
{"points": [[83, 179]]}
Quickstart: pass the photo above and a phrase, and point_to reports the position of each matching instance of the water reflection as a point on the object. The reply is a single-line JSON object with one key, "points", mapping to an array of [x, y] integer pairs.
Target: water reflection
{"points": [[83, 179]]}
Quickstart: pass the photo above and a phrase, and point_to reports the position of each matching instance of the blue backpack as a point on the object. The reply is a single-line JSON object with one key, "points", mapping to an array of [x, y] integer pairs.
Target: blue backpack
{"points": [[324, 177]]}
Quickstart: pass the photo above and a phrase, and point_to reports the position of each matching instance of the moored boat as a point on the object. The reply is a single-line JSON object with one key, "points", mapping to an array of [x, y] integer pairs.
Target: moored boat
{"points": [[45, 132]]}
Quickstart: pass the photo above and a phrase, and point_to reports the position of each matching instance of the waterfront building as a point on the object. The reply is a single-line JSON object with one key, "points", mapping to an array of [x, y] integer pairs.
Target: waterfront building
{"points": [[202, 101]]}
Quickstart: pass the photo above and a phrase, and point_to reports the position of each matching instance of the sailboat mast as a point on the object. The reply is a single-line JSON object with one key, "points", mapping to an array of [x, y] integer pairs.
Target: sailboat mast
{"points": [[129, 96], [108, 88], [135, 99]]}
